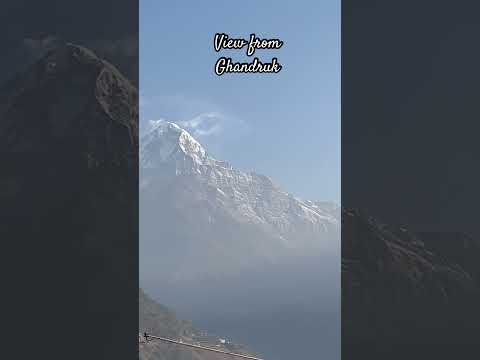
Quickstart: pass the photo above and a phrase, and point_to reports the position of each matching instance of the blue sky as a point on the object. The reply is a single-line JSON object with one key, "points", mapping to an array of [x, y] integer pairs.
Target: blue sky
{"points": [[285, 125]]}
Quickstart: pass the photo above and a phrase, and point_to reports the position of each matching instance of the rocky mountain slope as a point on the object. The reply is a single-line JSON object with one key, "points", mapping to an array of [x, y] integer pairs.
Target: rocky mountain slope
{"points": [[159, 320], [168, 151], [405, 293]]}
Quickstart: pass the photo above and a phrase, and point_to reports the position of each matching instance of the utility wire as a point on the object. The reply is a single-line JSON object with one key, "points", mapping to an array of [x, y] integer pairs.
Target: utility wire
{"points": [[148, 336]]}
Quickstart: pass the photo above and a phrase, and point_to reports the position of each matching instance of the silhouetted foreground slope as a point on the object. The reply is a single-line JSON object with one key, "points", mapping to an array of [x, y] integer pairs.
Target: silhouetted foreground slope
{"points": [[407, 295], [159, 320]]}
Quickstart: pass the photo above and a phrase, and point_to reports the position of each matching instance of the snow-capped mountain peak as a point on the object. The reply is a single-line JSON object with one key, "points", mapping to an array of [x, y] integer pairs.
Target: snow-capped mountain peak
{"points": [[166, 142], [170, 153]]}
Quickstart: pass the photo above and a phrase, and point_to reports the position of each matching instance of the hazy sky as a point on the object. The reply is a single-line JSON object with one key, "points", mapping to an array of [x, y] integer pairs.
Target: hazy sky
{"points": [[284, 125]]}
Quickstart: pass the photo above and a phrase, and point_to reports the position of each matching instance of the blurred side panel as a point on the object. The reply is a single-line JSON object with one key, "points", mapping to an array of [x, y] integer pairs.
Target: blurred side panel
{"points": [[410, 235], [69, 179]]}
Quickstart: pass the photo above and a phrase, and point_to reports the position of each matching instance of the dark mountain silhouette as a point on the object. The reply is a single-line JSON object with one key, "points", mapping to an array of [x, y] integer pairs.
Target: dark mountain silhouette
{"points": [[69, 194], [407, 295]]}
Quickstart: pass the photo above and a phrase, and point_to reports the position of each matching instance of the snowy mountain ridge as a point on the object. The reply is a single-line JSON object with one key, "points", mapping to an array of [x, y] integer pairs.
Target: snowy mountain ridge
{"points": [[169, 150]]}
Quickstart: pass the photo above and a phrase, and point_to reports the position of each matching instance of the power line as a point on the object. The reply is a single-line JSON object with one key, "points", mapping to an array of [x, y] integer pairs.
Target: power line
{"points": [[147, 336]]}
